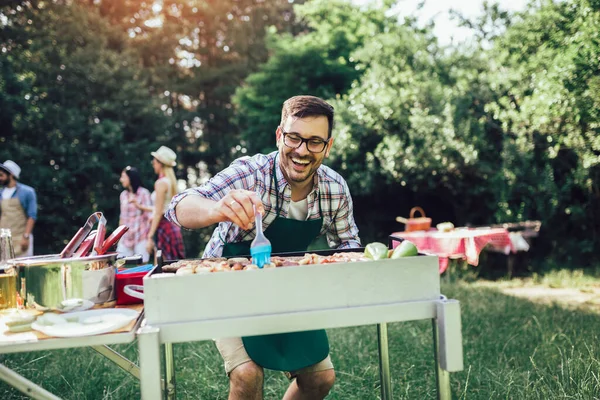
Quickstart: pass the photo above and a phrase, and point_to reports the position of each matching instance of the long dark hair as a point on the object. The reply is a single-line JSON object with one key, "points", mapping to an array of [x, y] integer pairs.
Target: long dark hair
{"points": [[135, 181]]}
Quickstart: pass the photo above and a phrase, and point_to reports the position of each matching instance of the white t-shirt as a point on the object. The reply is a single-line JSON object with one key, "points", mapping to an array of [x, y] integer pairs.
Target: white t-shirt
{"points": [[8, 192], [298, 210]]}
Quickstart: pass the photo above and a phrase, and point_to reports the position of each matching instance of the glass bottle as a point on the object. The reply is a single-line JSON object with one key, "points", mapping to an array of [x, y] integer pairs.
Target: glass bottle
{"points": [[8, 278], [7, 251]]}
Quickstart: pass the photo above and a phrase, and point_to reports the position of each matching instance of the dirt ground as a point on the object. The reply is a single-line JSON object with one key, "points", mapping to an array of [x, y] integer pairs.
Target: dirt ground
{"points": [[587, 298]]}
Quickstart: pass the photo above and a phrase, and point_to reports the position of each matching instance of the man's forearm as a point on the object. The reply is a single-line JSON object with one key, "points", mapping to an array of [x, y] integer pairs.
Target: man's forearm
{"points": [[194, 212], [29, 226]]}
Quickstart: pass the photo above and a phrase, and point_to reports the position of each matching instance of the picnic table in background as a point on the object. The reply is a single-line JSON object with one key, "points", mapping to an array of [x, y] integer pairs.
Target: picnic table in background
{"points": [[460, 243], [522, 234]]}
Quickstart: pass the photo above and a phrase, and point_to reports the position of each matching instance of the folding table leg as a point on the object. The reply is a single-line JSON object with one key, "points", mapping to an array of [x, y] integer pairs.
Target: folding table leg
{"points": [[122, 362], [149, 349], [442, 376], [170, 371], [510, 264], [384, 362], [24, 385]]}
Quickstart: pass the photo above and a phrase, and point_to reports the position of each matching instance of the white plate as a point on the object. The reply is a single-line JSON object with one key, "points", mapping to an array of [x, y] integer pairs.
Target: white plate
{"points": [[68, 307], [117, 318]]}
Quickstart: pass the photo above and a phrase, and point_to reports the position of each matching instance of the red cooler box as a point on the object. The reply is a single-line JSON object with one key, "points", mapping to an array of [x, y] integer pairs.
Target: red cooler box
{"points": [[122, 280]]}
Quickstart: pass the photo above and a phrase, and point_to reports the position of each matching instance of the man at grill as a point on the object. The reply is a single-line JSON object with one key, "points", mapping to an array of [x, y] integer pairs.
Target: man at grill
{"points": [[303, 203]]}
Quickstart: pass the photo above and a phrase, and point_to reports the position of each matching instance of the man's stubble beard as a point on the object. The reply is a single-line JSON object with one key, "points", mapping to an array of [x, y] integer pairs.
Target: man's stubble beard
{"points": [[291, 174]]}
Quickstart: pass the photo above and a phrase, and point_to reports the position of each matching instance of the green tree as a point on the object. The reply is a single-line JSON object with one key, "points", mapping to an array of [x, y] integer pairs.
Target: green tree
{"points": [[103, 83], [545, 70], [194, 56], [502, 131], [317, 62], [408, 119], [74, 113]]}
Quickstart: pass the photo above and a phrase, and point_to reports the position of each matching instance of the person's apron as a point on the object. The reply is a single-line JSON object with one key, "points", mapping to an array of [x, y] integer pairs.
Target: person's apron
{"points": [[13, 217], [295, 350]]}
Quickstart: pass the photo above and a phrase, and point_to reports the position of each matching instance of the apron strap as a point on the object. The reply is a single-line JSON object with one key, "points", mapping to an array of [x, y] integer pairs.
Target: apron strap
{"points": [[275, 183]]}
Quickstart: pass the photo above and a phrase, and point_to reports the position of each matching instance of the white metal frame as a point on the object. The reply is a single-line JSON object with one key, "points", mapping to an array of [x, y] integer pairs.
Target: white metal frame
{"points": [[98, 343], [275, 301]]}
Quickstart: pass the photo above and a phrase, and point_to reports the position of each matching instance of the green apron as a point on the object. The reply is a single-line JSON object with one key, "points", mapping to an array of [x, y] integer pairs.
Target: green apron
{"points": [[295, 350]]}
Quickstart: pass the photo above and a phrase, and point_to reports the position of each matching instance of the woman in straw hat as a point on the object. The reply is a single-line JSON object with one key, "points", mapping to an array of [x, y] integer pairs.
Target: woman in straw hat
{"points": [[167, 235]]}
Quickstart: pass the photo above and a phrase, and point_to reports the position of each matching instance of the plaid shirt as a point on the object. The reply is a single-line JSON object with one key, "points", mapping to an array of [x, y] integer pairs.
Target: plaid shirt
{"points": [[138, 221], [255, 174]]}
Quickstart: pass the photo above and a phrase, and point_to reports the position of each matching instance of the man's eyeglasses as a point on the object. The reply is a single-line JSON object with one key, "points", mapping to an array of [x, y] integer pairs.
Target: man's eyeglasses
{"points": [[294, 141]]}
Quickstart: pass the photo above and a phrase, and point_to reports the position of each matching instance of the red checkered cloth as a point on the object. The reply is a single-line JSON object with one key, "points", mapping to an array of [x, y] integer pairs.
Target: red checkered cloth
{"points": [[459, 243], [169, 240]]}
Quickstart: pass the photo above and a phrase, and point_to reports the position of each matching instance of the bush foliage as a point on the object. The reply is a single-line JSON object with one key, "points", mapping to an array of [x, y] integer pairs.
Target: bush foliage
{"points": [[502, 130]]}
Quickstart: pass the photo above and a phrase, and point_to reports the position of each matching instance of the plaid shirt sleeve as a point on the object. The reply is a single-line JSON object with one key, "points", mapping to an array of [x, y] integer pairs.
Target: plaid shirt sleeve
{"points": [[239, 175], [340, 227], [251, 174], [345, 233], [145, 199]]}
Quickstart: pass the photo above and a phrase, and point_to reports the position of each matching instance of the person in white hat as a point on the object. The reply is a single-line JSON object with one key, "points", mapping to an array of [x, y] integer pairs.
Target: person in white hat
{"points": [[163, 234], [165, 156], [18, 208]]}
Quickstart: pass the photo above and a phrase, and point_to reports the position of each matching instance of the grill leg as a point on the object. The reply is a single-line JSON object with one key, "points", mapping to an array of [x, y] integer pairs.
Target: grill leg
{"points": [[442, 376], [384, 362], [149, 349], [170, 371]]}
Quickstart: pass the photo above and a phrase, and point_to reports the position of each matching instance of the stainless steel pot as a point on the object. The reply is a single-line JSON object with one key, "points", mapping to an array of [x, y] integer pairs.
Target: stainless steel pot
{"points": [[51, 282]]}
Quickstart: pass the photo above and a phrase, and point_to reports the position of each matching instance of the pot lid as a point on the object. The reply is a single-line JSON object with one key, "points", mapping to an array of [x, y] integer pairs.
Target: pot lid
{"points": [[55, 259]]}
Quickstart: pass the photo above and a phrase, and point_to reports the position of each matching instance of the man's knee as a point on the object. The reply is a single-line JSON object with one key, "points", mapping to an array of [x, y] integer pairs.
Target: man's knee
{"points": [[248, 376], [319, 383]]}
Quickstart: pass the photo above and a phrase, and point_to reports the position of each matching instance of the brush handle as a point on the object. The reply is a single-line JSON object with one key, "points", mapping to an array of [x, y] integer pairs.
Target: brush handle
{"points": [[260, 238], [258, 222]]}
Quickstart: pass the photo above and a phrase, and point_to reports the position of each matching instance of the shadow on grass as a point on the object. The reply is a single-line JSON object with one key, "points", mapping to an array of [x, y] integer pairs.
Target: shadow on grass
{"points": [[514, 349]]}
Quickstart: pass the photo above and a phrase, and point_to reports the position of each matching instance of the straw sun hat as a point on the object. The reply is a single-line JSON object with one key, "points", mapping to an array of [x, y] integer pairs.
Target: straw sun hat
{"points": [[165, 155]]}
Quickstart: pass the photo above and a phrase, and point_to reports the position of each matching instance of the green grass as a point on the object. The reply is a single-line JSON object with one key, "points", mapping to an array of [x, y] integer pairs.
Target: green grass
{"points": [[577, 278], [513, 349]]}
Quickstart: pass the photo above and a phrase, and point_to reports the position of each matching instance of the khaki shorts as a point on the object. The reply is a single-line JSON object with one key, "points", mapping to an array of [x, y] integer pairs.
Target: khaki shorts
{"points": [[234, 354]]}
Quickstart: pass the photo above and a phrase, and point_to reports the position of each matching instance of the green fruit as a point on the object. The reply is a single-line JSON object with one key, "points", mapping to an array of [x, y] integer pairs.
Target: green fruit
{"points": [[405, 249], [376, 251]]}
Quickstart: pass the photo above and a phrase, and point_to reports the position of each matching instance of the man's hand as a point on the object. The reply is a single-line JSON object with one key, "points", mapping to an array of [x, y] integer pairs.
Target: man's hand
{"points": [[24, 244], [238, 207]]}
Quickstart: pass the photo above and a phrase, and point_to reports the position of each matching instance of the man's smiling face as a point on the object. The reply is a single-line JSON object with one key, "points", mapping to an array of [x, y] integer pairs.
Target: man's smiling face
{"points": [[299, 165]]}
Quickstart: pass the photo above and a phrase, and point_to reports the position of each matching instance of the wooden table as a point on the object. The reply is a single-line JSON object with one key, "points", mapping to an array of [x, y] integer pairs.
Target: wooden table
{"points": [[275, 301], [36, 341]]}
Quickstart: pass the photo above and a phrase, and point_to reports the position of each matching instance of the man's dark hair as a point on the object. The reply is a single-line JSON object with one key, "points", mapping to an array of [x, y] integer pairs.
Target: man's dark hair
{"points": [[135, 180], [307, 106]]}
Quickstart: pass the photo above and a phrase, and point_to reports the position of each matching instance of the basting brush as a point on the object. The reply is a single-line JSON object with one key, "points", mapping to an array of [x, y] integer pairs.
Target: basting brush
{"points": [[260, 249]]}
